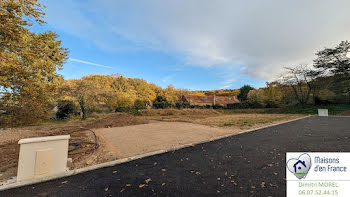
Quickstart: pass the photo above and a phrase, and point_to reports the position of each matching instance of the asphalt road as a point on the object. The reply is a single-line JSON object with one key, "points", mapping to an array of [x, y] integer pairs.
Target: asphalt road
{"points": [[249, 164]]}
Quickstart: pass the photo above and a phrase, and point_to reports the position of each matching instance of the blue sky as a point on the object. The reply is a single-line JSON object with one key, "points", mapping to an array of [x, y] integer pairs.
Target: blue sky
{"points": [[190, 44]]}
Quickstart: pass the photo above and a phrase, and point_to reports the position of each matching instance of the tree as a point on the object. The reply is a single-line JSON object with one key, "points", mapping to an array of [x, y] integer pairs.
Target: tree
{"points": [[82, 106], [86, 92], [243, 93], [335, 63], [256, 98], [143, 91], [28, 64], [334, 60], [300, 79], [273, 93]]}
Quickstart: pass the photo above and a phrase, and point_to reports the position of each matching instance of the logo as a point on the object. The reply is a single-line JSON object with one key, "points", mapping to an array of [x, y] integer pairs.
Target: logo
{"points": [[299, 166]]}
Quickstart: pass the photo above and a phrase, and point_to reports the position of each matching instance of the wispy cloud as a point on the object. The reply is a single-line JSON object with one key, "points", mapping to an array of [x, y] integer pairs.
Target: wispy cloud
{"points": [[227, 83], [89, 63], [167, 78]]}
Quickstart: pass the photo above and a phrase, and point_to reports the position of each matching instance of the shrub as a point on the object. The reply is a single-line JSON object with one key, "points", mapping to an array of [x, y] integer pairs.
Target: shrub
{"points": [[256, 98], [182, 104], [271, 104], [123, 109], [216, 106], [160, 102], [241, 105], [255, 104], [325, 97], [65, 109], [139, 104]]}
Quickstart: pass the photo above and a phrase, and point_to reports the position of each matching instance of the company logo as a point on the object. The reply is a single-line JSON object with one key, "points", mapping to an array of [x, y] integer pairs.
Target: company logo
{"points": [[299, 166]]}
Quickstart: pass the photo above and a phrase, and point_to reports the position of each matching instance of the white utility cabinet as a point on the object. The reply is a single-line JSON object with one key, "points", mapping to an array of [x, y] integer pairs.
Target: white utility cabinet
{"points": [[42, 156]]}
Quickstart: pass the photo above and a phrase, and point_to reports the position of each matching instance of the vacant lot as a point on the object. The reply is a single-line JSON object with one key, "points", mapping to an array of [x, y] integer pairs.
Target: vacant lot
{"points": [[250, 164], [86, 155], [131, 135]]}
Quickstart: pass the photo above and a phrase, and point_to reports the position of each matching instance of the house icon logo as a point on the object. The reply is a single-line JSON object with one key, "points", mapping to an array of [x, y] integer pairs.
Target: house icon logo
{"points": [[299, 166]]}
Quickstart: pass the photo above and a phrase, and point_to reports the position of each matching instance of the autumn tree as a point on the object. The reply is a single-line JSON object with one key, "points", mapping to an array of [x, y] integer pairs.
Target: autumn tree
{"points": [[143, 91], [88, 92], [28, 63], [257, 98], [173, 95], [301, 80]]}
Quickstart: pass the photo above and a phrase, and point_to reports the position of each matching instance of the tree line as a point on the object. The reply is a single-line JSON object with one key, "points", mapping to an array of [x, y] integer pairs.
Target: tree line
{"points": [[326, 81], [30, 87]]}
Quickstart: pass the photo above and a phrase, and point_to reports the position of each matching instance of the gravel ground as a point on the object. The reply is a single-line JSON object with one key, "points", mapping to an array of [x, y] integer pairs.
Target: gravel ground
{"points": [[249, 164]]}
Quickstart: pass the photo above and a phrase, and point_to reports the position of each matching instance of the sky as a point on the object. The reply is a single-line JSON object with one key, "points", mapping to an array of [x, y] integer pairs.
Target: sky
{"points": [[194, 44]]}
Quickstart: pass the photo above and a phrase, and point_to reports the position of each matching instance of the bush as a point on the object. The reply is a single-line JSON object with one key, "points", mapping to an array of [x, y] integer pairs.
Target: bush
{"points": [[325, 97], [255, 104], [216, 106], [160, 102], [139, 104], [271, 104], [342, 99], [65, 109], [241, 105], [182, 104], [256, 98]]}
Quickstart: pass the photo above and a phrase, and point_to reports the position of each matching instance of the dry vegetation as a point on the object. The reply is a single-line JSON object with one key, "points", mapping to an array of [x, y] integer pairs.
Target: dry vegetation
{"points": [[217, 118]]}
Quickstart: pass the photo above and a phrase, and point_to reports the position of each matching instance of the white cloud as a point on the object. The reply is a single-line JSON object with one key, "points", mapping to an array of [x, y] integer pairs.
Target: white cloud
{"points": [[261, 36], [89, 63]]}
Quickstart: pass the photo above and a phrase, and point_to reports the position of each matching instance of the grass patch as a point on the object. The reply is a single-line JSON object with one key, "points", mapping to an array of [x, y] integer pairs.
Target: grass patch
{"points": [[243, 121], [310, 109], [219, 118], [332, 109]]}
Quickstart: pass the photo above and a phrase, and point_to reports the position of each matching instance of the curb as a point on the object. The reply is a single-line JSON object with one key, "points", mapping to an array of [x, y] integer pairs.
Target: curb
{"points": [[128, 159], [338, 116]]}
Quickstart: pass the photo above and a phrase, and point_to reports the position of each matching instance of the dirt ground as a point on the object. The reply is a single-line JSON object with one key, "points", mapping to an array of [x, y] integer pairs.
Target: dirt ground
{"points": [[158, 135], [346, 113], [121, 135], [86, 155]]}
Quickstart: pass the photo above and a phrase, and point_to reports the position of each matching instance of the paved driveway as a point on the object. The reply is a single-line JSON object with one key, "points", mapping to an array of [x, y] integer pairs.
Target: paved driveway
{"points": [[249, 164]]}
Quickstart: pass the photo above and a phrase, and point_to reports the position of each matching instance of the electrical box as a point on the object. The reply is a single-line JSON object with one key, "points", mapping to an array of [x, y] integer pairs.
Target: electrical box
{"points": [[322, 112], [42, 156]]}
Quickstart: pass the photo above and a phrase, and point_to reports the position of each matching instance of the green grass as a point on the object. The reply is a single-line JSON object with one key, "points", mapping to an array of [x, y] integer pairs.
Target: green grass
{"points": [[332, 109], [309, 109]]}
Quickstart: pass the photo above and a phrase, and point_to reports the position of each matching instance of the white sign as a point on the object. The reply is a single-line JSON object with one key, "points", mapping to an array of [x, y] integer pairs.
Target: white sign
{"points": [[318, 174]]}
